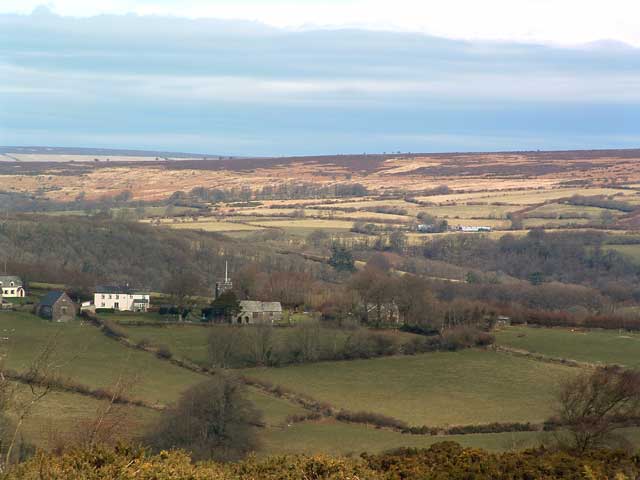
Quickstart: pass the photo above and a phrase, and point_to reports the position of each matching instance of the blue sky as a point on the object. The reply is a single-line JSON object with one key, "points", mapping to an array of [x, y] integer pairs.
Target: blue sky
{"points": [[276, 80]]}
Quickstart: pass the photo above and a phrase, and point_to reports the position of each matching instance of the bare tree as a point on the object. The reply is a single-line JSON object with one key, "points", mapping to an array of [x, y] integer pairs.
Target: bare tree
{"points": [[306, 338], [592, 406], [212, 419], [38, 378], [112, 415], [261, 342], [225, 342]]}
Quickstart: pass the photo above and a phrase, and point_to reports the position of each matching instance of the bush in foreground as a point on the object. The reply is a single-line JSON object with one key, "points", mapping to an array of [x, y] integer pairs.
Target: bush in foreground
{"points": [[445, 460]]}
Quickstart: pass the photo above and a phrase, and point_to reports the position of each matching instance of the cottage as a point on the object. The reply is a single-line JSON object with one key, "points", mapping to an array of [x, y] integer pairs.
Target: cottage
{"points": [[252, 311], [57, 307], [123, 299], [11, 287]]}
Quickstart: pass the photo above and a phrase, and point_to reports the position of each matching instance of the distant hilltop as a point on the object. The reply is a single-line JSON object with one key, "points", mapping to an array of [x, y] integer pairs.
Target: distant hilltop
{"points": [[106, 152]]}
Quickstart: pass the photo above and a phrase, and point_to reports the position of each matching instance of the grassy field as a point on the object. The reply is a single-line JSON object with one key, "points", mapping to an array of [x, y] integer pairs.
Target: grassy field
{"points": [[553, 222], [598, 346], [466, 387], [212, 226], [343, 439], [83, 353], [337, 438], [630, 251], [190, 341], [87, 356], [60, 416], [274, 410], [526, 197], [570, 210]]}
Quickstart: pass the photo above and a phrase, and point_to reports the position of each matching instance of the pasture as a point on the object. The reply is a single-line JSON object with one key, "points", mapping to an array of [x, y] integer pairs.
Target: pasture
{"points": [[436, 389], [631, 251], [593, 346], [84, 354], [337, 438], [191, 341], [62, 417]]}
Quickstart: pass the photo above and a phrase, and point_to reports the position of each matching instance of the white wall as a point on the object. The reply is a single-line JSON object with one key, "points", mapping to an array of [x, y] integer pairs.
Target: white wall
{"points": [[118, 301], [12, 292]]}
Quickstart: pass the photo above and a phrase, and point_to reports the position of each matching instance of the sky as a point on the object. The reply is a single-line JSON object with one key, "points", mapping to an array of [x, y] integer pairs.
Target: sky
{"points": [[320, 77]]}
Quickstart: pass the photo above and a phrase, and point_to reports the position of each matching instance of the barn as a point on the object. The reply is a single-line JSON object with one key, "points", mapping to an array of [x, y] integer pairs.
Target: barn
{"points": [[57, 307]]}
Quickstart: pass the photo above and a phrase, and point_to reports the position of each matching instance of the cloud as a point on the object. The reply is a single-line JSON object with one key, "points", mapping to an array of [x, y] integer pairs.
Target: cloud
{"points": [[549, 21], [239, 87]]}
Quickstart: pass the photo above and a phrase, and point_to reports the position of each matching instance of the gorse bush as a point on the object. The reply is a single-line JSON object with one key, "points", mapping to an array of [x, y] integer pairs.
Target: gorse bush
{"points": [[443, 461]]}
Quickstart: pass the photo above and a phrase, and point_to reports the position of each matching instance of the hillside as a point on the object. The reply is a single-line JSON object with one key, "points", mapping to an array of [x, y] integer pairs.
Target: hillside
{"points": [[59, 179]]}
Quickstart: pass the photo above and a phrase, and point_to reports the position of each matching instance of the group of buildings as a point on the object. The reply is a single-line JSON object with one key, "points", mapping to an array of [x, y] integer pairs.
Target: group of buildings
{"points": [[57, 306], [430, 228]]}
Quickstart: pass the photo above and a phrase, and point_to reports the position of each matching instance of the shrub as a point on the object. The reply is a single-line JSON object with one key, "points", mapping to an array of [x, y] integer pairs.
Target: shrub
{"points": [[371, 418], [464, 337], [112, 329], [164, 352], [212, 419], [143, 343]]}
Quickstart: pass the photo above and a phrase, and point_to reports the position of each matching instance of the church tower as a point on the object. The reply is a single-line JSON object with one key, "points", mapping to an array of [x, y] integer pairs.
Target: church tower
{"points": [[224, 285]]}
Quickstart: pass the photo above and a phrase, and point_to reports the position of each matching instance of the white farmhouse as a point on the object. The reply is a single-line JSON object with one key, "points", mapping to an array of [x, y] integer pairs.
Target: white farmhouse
{"points": [[123, 299], [11, 287]]}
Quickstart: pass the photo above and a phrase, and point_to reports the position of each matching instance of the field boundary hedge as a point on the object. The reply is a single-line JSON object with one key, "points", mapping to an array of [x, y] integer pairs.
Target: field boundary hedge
{"points": [[539, 357], [317, 409], [71, 386]]}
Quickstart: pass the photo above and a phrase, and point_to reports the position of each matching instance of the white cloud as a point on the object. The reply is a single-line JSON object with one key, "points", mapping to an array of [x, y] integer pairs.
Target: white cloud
{"points": [[546, 21]]}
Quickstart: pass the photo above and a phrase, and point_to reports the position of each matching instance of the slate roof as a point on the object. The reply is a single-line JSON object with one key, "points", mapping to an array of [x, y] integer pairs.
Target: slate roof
{"points": [[50, 299], [5, 280], [119, 290], [249, 306], [113, 289]]}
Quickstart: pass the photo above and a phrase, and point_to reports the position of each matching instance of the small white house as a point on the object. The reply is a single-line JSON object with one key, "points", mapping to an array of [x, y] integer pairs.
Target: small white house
{"points": [[123, 299], [11, 286]]}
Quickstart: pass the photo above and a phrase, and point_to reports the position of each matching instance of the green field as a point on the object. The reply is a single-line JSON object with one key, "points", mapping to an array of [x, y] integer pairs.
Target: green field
{"points": [[83, 353], [630, 251], [570, 210], [188, 341], [597, 346], [337, 438], [191, 341], [343, 439], [467, 387], [274, 410], [60, 415]]}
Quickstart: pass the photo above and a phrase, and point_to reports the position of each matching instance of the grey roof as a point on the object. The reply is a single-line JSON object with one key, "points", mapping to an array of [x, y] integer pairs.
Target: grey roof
{"points": [[119, 289], [113, 289], [249, 306], [50, 299], [5, 280]]}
